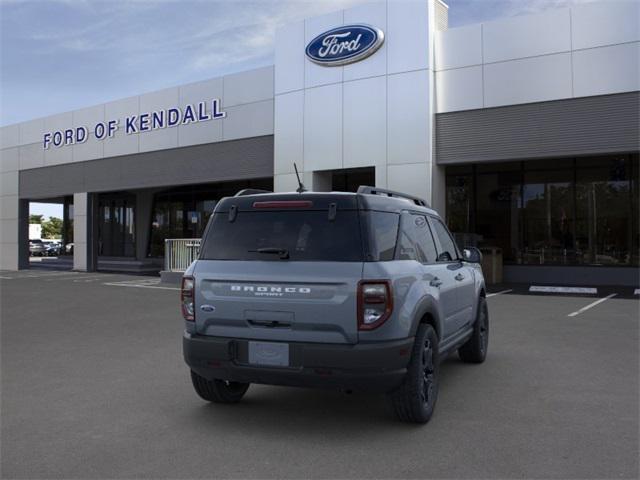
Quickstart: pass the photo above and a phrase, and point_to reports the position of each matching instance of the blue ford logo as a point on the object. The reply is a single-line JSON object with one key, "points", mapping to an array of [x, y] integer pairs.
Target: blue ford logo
{"points": [[343, 45]]}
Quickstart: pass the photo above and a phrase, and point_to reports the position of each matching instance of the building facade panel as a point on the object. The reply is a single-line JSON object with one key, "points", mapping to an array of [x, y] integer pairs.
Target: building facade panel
{"points": [[323, 127], [31, 131], [376, 65], [605, 23], [526, 36], [408, 141], [409, 178], [409, 42], [9, 159], [31, 156], [9, 183], [88, 150], [8, 207], [458, 47], [527, 80], [289, 132], [290, 60], [163, 138], [317, 75], [201, 132], [9, 136], [56, 156], [240, 159], [248, 87], [459, 89], [89, 115], [365, 109], [603, 70], [248, 120], [573, 126]]}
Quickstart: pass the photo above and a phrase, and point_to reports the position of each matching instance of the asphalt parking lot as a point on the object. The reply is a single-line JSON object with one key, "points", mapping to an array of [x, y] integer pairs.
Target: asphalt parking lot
{"points": [[94, 386]]}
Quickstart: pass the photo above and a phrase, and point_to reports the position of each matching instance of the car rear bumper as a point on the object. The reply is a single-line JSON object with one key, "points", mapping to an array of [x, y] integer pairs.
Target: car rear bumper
{"points": [[374, 367]]}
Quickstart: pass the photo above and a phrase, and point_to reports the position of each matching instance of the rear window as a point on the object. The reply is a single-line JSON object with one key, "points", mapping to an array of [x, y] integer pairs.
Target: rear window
{"points": [[304, 235]]}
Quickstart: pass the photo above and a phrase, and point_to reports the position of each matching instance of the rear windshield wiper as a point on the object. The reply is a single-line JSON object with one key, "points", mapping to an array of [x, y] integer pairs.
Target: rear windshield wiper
{"points": [[282, 252]]}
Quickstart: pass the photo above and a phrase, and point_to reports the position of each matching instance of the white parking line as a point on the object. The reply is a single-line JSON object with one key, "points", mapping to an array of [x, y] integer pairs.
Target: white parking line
{"points": [[591, 305], [549, 289], [142, 280], [499, 293], [139, 286], [84, 279], [46, 275]]}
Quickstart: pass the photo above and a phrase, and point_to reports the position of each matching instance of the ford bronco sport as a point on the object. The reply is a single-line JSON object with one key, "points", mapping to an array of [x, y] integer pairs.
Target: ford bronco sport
{"points": [[355, 291]]}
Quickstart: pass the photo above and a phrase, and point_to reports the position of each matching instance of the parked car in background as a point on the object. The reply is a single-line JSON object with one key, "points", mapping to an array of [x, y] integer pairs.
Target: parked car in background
{"points": [[53, 248], [37, 248], [68, 248]]}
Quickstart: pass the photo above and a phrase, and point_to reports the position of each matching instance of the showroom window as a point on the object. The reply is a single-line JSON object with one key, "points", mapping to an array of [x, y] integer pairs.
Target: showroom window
{"points": [[576, 211], [183, 212], [116, 225], [548, 223]]}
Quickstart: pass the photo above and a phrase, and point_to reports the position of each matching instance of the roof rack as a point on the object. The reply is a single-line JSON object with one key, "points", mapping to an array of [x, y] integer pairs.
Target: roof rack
{"points": [[250, 191], [390, 193]]}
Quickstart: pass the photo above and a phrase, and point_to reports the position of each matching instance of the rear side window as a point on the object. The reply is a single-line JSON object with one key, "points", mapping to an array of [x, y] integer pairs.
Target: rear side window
{"points": [[304, 235], [416, 242], [448, 251], [384, 234]]}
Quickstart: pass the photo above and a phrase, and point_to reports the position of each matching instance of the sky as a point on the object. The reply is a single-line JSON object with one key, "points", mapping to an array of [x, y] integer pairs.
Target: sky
{"points": [[61, 55]]}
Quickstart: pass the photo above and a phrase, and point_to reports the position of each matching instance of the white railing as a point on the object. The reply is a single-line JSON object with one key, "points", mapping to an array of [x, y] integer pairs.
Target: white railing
{"points": [[179, 253]]}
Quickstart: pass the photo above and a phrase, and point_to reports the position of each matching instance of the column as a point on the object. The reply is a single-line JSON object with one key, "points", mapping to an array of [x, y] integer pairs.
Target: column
{"points": [[9, 210], [84, 233]]}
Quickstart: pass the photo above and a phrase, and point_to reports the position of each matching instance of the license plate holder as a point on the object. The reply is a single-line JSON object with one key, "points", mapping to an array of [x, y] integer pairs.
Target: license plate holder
{"points": [[270, 354]]}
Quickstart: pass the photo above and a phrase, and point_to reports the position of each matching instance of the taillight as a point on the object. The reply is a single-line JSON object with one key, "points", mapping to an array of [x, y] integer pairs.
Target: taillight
{"points": [[186, 298], [375, 303]]}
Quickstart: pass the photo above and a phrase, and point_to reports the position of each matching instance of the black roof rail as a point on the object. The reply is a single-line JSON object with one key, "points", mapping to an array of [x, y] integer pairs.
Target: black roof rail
{"points": [[250, 191], [390, 193]]}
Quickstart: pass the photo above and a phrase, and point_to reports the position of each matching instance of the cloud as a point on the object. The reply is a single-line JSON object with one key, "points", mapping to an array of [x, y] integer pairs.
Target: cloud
{"points": [[76, 53], [463, 12]]}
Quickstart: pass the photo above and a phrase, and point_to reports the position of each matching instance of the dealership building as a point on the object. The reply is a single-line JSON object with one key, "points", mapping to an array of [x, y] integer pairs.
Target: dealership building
{"points": [[523, 132]]}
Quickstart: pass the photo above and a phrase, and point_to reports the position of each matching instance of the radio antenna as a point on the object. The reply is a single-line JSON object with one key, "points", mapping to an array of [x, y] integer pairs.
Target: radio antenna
{"points": [[300, 188]]}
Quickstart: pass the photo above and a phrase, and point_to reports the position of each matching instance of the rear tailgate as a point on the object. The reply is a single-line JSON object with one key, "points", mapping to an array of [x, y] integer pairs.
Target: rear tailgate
{"points": [[284, 300]]}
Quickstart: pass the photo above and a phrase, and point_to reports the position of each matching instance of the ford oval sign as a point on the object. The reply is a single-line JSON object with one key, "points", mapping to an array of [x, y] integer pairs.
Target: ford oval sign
{"points": [[343, 45]]}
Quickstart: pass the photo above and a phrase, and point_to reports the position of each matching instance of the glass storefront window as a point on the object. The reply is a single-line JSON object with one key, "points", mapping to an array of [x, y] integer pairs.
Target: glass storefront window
{"points": [[575, 211], [634, 163], [116, 225], [67, 226], [498, 206], [548, 220], [460, 204], [604, 211], [183, 212]]}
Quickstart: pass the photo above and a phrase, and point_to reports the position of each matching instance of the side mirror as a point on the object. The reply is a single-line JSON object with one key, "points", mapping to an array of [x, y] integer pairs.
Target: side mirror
{"points": [[444, 257], [472, 255]]}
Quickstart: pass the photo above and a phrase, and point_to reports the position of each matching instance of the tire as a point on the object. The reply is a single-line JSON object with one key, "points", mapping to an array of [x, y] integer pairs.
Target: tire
{"points": [[415, 400], [218, 391], [475, 349]]}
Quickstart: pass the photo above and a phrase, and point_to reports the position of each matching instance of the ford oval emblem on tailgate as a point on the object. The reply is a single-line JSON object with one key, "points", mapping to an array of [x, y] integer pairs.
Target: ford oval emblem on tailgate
{"points": [[208, 308]]}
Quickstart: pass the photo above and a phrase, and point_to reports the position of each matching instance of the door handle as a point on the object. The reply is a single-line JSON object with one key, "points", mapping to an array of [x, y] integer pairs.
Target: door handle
{"points": [[435, 282], [459, 277]]}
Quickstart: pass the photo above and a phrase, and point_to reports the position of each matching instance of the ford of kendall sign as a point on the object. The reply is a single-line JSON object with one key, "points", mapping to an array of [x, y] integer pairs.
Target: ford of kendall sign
{"points": [[139, 123], [343, 45]]}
